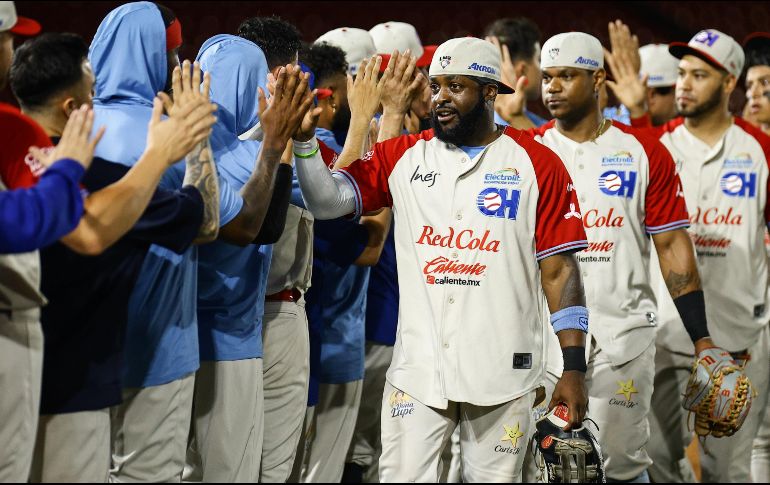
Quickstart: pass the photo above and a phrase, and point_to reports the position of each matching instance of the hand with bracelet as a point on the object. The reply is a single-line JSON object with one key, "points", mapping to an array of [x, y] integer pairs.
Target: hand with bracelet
{"points": [[560, 276]]}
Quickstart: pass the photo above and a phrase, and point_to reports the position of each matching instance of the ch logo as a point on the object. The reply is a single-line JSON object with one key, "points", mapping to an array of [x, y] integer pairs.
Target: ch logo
{"points": [[573, 213]]}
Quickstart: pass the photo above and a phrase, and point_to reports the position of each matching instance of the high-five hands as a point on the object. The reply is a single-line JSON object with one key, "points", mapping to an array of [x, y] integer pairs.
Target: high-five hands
{"points": [[190, 115]]}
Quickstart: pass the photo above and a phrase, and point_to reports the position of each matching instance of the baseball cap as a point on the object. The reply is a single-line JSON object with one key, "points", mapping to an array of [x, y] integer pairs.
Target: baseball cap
{"points": [[572, 49], [469, 56], [356, 43], [715, 47], [756, 46], [9, 21], [401, 36], [661, 67]]}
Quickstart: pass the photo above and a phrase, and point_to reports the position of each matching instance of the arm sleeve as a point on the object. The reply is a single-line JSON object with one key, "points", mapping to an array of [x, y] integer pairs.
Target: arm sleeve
{"points": [[325, 196], [275, 219], [664, 205], [38, 216]]}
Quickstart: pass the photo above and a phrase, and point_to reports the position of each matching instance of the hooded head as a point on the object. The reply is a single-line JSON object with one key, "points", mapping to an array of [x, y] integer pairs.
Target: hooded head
{"points": [[237, 68], [128, 55]]}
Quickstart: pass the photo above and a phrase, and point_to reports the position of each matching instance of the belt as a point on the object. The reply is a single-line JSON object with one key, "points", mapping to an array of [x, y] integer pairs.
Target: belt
{"points": [[291, 294]]}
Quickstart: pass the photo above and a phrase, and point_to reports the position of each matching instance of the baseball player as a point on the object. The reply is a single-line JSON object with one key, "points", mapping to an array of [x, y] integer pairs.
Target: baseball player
{"points": [[484, 217], [631, 199], [661, 69], [723, 163], [757, 111], [150, 427]]}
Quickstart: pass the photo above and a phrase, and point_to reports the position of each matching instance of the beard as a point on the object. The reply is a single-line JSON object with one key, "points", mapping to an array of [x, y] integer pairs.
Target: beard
{"points": [[467, 124], [699, 109], [341, 121]]}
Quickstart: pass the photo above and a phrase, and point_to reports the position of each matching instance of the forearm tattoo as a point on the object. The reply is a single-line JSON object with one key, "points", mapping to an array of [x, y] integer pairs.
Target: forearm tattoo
{"points": [[201, 173], [677, 283]]}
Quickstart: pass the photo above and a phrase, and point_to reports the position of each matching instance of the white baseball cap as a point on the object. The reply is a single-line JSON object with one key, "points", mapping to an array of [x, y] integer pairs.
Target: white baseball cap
{"points": [[17, 25], [357, 44], [401, 36], [659, 64], [469, 56], [572, 49], [714, 47]]}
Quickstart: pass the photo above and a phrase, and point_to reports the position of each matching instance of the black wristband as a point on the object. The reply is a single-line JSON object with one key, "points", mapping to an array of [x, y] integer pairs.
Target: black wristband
{"points": [[692, 310], [574, 358]]}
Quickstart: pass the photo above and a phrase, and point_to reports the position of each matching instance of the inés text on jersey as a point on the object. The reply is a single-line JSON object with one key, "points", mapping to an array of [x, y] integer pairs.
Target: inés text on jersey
{"points": [[429, 178]]}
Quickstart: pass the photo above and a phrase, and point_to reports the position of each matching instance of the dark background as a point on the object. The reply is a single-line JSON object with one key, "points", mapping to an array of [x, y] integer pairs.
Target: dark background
{"points": [[435, 21]]}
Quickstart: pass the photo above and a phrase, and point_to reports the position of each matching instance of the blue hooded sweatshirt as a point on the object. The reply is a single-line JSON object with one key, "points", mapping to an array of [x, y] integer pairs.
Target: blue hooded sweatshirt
{"points": [[232, 279], [128, 55]]}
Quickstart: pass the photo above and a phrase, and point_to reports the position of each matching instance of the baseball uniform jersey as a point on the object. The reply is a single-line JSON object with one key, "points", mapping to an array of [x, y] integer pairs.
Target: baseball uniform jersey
{"points": [[628, 190], [469, 234], [726, 189]]}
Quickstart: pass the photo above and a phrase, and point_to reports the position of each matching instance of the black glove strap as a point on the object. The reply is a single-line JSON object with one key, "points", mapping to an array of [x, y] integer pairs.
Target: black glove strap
{"points": [[692, 309], [574, 358]]}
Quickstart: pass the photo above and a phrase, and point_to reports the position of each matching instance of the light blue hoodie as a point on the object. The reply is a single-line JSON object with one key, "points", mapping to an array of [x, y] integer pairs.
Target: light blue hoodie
{"points": [[128, 55], [232, 279]]}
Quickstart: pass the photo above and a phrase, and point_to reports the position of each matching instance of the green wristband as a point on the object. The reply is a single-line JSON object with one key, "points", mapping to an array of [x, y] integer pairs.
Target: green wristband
{"points": [[309, 155]]}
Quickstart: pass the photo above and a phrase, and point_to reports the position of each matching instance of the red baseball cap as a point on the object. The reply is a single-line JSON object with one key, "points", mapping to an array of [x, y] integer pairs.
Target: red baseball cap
{"points": [[17, 25]]}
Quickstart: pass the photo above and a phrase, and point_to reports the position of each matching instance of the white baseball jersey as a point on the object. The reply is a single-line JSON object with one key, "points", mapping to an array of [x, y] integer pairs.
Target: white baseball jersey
{"points": [[628, 189], [726, 190], [469, 234]]}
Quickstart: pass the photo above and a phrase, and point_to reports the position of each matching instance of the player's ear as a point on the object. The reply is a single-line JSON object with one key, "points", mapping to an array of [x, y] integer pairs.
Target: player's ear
{"points": [[728, 83], [68, 105], [490, 92], [599, 77]]}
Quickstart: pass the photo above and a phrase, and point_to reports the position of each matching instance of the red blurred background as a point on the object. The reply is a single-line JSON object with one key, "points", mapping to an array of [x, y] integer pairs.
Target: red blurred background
{"points": [[435, 21]]}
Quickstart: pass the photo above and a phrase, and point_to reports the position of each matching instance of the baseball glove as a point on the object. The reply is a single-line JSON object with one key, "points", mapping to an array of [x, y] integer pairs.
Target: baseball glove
{"points": [[566, 456], [718, 393]]}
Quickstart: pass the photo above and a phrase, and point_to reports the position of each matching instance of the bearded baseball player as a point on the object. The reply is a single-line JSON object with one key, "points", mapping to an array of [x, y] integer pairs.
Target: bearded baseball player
{"points": [[632, 199], [723, 163], [486, 221]]}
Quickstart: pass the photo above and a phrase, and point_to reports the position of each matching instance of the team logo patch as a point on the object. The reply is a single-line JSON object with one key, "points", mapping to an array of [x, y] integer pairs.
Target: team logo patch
{"points": [[445, 61], [401, 404], [499, 202], [706, 37], [620, 158], [554, 53], [618, 183], [506, 176], [739, 184]]}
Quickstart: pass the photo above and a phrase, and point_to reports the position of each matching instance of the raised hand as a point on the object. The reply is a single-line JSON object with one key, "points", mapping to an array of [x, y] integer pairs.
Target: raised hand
{"points": [[366, 92], [624, 63], [290, 103], [74, 143], [403, 83], [190, 115], [510, 106]]}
